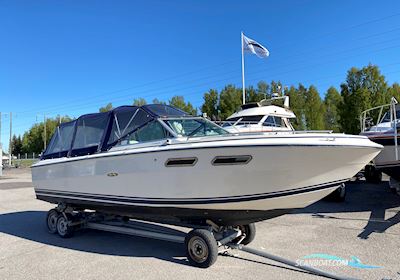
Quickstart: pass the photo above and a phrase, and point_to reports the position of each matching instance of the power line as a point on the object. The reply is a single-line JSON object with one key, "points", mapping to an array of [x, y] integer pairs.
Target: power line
{"points": [[346, 29], [155, 93], [145, 84], [228, 62]]}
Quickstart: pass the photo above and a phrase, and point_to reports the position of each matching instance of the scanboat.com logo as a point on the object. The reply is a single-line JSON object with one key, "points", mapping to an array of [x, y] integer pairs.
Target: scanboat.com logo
{"points": [[330, 260]]}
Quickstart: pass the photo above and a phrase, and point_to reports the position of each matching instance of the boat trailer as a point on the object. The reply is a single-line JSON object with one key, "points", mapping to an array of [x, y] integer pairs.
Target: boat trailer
{"points": [[203, 243]]}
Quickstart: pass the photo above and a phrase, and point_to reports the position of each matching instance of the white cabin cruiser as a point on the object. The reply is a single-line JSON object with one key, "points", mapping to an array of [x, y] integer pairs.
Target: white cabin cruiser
{"points": [[261, 116], [384, 132], [157, 163]]}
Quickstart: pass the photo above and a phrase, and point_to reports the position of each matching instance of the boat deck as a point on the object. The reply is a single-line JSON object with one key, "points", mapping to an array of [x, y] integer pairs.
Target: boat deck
{"points": [[366, 226]]}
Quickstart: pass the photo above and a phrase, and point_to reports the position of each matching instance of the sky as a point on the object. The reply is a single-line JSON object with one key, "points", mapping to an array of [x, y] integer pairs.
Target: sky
{"points": [[72, 57]]}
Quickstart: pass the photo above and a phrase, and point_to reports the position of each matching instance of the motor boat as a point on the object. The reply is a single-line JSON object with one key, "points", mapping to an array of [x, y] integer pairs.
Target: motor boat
{"points": [[262, 116], [384, 132], [157, 163]]}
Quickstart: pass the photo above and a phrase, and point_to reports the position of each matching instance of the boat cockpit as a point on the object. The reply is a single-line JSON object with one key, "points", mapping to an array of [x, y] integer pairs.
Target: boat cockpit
{"points": [[126, 125]]}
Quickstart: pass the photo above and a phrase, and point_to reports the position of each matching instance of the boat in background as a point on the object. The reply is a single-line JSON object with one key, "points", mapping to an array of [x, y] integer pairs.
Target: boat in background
{"points": [[262, 116], [386, 133]]}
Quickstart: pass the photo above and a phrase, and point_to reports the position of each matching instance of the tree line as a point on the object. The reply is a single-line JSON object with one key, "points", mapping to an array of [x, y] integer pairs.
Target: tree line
{"points": [[339, 110]]}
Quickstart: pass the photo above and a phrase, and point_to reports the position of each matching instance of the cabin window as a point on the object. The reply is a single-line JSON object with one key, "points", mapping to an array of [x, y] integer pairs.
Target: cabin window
{"points": [[274, 121], [251, 119], [125, 120], [231, 121], [89, 132], [243, 120], [152, 131], [62, 138]]}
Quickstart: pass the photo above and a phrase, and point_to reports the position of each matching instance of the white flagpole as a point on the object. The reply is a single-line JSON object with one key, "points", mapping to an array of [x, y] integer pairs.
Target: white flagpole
{"points": [[244, 90]]}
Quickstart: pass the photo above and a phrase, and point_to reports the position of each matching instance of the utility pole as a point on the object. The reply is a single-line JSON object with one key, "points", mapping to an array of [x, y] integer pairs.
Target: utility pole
{"points": [[10, 143], [45, 132]]}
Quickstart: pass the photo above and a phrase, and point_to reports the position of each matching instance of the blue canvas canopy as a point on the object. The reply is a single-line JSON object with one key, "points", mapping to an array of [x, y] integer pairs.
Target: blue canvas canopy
{"points": [[97, 132]]}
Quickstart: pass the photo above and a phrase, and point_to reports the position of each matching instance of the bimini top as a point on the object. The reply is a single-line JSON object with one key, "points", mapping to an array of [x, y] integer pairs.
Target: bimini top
{"points": [[125, 125]]}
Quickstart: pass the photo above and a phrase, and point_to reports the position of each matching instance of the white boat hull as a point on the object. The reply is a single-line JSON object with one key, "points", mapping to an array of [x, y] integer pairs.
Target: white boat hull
{"points": [[285, 172]]}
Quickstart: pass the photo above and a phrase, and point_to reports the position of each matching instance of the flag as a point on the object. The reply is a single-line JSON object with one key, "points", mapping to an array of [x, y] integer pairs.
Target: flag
{"points": [[252, 46]]}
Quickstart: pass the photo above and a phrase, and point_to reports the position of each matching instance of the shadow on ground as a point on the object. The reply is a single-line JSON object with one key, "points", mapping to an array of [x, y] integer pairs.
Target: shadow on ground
{"points": [[31, 225], [377, 199]]}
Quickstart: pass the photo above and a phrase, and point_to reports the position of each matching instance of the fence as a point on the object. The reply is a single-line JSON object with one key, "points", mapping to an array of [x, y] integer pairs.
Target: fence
{"points": [[23, 160]]}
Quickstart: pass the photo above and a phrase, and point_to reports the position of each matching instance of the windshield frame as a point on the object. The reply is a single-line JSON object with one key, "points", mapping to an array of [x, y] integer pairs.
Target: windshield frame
{"points": [[164, 121]]}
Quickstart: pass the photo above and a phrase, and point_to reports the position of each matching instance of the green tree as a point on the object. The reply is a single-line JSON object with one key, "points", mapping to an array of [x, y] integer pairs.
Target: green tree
{"points": [[178, 101], [297, 104], [33, 139], [394, 91], [263, 91], [230, 100], [332, 101], [276, 87], [314, 109], [156, 101], [364, 88], [139, 101], [106, 108], [16, 145], [254, 95], [210, 105]]}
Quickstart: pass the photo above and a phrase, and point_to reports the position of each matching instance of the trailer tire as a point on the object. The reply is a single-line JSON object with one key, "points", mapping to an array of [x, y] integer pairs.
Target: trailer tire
{"points": [[201, 248], [372, 175], [250, 232], [63, 228], [51, 220]]}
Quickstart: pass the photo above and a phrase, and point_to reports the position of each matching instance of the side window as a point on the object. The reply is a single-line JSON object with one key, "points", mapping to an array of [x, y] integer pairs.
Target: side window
{"points": [[151, 132], [126, 120], [90, 130], [61, 140], [274, 121], [251, 119], [269, 121], [279, 122]]}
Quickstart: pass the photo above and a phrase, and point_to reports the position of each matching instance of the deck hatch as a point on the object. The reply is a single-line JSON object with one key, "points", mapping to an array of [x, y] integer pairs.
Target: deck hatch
{"points": [[178, 162], [231, 160]]}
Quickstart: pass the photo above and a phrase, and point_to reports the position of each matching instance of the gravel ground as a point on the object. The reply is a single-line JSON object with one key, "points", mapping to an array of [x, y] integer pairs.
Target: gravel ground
{"points": [[366, 225]]}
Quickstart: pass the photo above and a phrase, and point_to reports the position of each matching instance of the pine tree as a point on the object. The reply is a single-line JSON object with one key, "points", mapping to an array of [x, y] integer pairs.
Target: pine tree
{"points": [[332, 101], [139, 102], [210, 105], [314, 109], [178, 101]]}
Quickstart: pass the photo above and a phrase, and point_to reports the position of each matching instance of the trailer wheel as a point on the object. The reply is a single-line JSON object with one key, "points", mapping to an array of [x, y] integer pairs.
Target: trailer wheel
{"points": [[63, 228], [338, 195], [51, 220], [201, 248], [250, 232], [372, 175]]}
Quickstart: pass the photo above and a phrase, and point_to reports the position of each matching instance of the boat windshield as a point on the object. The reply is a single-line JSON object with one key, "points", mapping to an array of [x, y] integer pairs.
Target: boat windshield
{"points": [[386, 117], [194, 127]]}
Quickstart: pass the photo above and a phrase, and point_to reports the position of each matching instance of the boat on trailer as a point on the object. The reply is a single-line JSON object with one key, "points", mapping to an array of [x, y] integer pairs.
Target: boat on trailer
{"points": [[384, 130], [157, 163]]}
